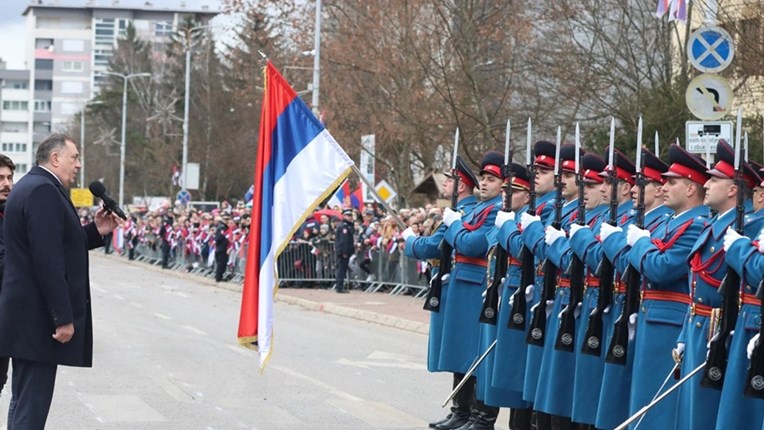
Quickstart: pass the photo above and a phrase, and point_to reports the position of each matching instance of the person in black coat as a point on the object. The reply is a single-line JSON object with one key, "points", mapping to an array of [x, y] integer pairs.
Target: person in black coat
{"points": [[344, 248], [45, 310], [221, 251], [6, 183]]}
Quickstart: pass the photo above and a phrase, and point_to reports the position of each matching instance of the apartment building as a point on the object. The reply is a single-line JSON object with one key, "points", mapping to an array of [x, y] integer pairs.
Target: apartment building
{"points": [[68, 46]]}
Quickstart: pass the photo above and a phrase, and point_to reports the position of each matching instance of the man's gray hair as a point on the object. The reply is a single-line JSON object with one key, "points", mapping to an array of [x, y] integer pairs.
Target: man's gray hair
{"points": [[48, 145]]}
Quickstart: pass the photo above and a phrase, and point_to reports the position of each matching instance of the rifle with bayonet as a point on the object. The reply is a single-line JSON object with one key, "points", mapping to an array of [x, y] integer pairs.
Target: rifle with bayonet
{"points": [[617, 350], [491, 301], [433, 300], [730, 287], [567, 327], [753, 386], [517, 320], [536, 334], [593, 337]]}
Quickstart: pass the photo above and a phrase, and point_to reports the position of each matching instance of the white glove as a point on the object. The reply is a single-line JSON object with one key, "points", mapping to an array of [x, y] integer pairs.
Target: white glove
{"points": [[503, 217], [576, 227], [553, 234], [406, 234], [606, 230], [607, 309], [632, 326], [762, 242], [634, 234], [750, 346], [577, 311], [730, 237], [529, 293], [527, 219], [677, 353], [445, 278], [450, 216], [549, 308]]}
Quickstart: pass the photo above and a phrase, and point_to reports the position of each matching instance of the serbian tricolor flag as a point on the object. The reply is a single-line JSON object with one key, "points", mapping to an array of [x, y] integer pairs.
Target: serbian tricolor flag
{"points": [[298, 165]]}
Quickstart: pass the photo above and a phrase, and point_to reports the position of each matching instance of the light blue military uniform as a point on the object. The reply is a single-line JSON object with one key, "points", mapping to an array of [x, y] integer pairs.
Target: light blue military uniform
{"points": [[424, 248], [589, 368], [534, 237], [555, 390], [737, 410], [511, 344], [613, 404], [659, 322], [472, 238]]}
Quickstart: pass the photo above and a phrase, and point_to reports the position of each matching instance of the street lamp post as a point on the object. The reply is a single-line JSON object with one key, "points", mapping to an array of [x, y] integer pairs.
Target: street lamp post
{"points": [[125, 78], [82, 139], [187, 86]]}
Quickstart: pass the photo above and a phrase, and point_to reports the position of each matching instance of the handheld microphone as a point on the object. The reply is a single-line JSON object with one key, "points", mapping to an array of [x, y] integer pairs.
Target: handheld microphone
{"points": [[99, 190]]}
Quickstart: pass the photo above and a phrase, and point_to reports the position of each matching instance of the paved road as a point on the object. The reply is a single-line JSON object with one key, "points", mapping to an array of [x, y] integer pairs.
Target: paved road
{"points": [[166, 358]]}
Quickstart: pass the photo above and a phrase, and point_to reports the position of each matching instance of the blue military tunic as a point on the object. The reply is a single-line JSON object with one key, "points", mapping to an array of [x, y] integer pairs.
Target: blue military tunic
{"points": [[471, 239], [613, 404], [661, 259], [737, 410], [698, 404], [534, 237], [555, 389], [423, 248], [511, 344], [589, 369]]}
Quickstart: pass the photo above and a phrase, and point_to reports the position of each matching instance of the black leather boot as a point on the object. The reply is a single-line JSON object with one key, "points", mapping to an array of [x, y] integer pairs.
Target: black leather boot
{"points": [[482, 417], [542, 421], [520, 419], [561, 423], [580, 426], [442, 420], [461, 404]]}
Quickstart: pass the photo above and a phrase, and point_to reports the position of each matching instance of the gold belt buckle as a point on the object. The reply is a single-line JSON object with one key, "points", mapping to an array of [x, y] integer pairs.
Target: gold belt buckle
{"points": [[693, 308]]}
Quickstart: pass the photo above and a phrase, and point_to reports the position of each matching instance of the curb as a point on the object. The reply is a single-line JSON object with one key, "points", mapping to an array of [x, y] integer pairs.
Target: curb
{"points": [[343, 311]]}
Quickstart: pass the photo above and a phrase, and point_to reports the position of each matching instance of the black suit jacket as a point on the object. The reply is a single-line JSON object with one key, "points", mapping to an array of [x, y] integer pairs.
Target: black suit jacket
{"points": [[45, 284]]}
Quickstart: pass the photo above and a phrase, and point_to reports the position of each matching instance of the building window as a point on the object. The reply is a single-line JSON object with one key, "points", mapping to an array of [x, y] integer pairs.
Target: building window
{"points": [[43, 64], [21, 147], [73, 66], [15, 105], [122, 25], [69, 108], [42, 105], [44, 44], [101, 57], [71, 87], [105, 32], [41, 127], [163, 28], [19, 85], [7, 147], [43, 85], [73, 45], [21, 168]]}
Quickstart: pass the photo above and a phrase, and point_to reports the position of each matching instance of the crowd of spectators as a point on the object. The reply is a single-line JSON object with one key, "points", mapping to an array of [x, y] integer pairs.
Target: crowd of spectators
{"points": [[187, 236]]}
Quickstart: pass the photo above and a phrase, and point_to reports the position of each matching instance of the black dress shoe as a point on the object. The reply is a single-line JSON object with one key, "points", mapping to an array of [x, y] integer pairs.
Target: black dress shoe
{"points": [[441, 421], [456, 421], [342, 291]]}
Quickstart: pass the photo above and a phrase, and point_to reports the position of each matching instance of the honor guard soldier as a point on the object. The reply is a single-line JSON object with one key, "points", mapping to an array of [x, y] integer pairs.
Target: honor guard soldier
{"points": [[698, 404], [471, 236], [553, 393], [587, 373], [428, 248], [744, 255], [493, 387], [516, 370], [661, 257], [613, 405]]}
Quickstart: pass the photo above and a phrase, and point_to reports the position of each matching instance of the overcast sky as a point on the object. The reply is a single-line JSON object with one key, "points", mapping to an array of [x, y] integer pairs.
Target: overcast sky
{"points": [[12, 23]]}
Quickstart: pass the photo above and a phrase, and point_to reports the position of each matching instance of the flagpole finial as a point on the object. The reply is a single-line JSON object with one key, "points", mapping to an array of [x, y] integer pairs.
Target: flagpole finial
{"points": [[262, 54]]}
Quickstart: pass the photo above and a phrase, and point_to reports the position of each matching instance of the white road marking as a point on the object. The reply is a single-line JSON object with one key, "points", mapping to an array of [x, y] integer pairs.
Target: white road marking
{"points": [[194, 330], [164, 317]]}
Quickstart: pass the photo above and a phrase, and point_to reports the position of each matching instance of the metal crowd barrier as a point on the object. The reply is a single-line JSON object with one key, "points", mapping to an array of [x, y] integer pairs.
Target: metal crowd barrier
{"points": [[302, 264]]}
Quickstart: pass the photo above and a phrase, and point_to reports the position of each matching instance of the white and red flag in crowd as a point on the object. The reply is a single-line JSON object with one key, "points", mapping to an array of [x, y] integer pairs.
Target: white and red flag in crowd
{"points": [[677, 9], [297, 166]]}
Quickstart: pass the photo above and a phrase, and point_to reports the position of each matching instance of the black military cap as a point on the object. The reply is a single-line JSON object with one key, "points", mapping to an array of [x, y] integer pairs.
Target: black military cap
{"points": [[724, 162], [347, 211], [683, 164], [654, 167], [520, 177], [466, 175], [625, 168], [544, 154], [592, 168], [567, 155], [757, 167], [491, 163]]}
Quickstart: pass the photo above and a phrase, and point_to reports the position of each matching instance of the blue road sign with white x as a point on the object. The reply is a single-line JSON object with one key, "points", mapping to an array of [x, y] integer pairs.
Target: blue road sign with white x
{"points": [[710, 49]]}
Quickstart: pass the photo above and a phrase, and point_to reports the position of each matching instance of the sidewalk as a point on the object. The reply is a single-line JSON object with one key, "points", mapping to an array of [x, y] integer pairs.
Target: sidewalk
{"points": [[404, 312]]}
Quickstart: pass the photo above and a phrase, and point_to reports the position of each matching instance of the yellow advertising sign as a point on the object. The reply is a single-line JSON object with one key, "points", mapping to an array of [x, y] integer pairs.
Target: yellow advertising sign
{"points": [[81, 197]]}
